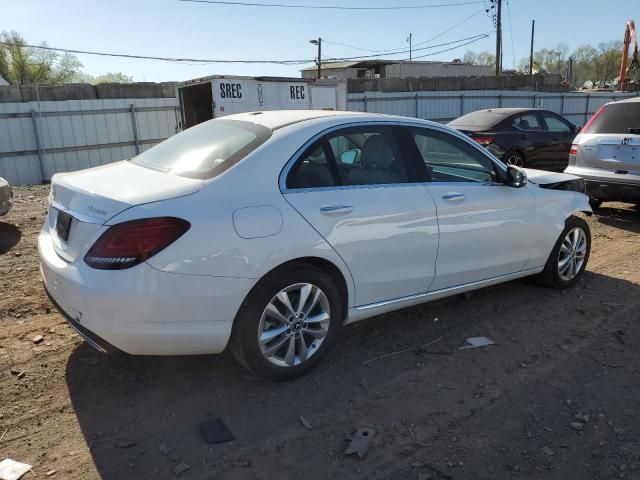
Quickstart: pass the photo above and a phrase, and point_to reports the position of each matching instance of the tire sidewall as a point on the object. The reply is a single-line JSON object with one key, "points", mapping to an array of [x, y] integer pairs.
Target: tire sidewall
{"points": [[570, 224], [247, 323]]}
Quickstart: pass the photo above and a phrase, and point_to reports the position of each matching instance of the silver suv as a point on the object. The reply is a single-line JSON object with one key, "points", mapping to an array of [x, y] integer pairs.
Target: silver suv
{"points": [[606, 153]]}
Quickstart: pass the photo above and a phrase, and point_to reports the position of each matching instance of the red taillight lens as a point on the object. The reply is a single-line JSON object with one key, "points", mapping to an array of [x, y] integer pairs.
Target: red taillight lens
{"points": [[129, 243], [573, 150], [484, 141]]}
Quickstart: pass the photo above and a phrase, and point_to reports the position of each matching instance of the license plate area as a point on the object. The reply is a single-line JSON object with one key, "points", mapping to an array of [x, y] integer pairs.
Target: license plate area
{"points": [[63, 225]]}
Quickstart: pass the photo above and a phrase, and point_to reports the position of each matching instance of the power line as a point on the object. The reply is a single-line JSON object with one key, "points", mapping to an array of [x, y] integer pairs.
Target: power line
{"points": [[415, 44], [332, 7], [165, 59], [453, 48], [451, 28], [473, 37]]}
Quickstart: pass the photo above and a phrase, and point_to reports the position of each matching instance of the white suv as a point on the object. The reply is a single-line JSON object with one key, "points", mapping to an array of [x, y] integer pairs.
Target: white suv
{"points": [[606, 154]]}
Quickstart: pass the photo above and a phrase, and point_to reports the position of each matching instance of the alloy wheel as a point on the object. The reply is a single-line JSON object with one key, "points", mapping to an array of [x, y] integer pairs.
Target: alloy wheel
{"points": [[572, 254], [515, 159], [294, 324]]}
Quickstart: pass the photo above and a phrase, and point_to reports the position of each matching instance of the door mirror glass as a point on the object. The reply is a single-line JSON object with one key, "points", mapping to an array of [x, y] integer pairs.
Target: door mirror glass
{"points": [[516, 177], [349, 156]]}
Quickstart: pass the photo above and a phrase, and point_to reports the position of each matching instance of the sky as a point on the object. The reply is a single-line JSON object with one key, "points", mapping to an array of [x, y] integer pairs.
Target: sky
{"points": [[172, 28]]}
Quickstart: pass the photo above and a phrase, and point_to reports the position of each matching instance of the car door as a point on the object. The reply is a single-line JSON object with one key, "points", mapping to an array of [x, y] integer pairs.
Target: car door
{"points": [[532, 137], [485, 226], [560, 133], [355, 187]]}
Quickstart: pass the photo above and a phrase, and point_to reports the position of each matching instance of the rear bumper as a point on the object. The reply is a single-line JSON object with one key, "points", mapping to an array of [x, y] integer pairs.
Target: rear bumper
{"points": [[613, 192], [91, 338], [143, 311], [609, 185]]}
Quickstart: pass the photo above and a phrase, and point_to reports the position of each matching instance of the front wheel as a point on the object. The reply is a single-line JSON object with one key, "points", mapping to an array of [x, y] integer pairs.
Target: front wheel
{"points": [[569, 256], [287, 323]]}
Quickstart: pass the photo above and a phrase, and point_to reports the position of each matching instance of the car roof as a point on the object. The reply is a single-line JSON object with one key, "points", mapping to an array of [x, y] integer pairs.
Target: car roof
{"points": [[275, 119], [628, 100], [509, 111]]}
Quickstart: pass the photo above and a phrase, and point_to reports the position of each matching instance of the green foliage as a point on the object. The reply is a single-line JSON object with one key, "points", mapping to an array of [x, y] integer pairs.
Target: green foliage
{"points": [[482, 58], [21, 65], [589, 63], [109, 77]]}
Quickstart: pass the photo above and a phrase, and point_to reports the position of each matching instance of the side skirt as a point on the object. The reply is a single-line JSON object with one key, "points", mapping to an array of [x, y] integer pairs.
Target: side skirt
{"points": [[356, 314]]}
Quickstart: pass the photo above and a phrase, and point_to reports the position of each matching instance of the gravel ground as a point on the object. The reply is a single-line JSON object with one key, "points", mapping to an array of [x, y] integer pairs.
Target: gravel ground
{"points": [[557, 396]]}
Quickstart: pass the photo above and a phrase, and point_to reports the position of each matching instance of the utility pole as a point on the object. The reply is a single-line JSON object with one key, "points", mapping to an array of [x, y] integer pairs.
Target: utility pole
{"points": [[410, 49], [318, 42], [533, 29], [570, 72], [499, 38]]}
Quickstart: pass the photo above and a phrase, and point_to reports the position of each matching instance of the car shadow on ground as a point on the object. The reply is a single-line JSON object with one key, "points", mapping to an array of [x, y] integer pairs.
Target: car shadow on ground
{"points": [[622, 218], [129, 408], [9, 236]]}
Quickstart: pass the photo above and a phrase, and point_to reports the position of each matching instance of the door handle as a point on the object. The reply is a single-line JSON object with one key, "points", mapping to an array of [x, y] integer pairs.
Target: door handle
{"points": [[454, 197], [336, 209]]}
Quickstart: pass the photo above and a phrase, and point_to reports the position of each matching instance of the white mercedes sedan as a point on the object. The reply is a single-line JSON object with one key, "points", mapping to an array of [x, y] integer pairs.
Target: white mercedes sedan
{"points": [[268, 231]]}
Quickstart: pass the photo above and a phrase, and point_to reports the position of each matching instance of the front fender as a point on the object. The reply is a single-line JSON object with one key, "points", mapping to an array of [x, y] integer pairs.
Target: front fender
{"points": [[552, 207]]}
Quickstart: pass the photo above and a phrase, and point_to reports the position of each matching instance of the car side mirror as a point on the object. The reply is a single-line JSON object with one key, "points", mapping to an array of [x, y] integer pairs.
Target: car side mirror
{"points": [[516, 177], [576, 129]]}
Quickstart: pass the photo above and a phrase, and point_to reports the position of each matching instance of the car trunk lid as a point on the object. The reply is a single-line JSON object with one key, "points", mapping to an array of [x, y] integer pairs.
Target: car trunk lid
{"points": [[82, 202]]}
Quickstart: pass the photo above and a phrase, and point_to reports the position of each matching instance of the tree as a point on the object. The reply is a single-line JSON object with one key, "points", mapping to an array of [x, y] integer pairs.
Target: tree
{"points": [[482, 58], [21, 65], [109, 77]]}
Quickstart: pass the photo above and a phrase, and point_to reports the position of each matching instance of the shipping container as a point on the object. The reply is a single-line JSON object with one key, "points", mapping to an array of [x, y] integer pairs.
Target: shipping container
{"points": [[216, 96]]}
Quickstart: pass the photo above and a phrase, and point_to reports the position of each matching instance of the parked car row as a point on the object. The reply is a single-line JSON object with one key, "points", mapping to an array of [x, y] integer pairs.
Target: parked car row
{"points": [[605, 153]]}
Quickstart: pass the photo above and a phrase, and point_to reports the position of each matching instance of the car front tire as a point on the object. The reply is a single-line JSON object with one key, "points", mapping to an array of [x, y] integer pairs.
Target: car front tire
{"points": [[287, 323], [568, 259]]}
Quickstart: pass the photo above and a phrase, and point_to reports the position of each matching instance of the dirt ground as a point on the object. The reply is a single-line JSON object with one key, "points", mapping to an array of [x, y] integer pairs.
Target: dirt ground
{"points": [[557, 396]]}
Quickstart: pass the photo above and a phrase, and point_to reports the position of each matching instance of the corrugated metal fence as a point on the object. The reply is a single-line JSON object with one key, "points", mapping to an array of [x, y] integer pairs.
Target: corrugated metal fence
{"points": [[445, 106], [38, 139]]}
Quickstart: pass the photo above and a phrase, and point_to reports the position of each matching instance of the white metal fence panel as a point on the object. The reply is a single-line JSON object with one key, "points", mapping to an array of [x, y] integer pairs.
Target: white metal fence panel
{"points": [[39, 139], [443, 107]]}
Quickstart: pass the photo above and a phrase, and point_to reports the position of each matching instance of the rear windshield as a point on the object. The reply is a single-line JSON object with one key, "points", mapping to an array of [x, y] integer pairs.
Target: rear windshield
{"points": [[478, 121], [205, 150], [616, 118]]}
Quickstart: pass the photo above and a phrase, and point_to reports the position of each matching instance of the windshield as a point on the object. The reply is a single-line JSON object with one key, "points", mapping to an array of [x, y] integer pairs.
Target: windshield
{"points": [[616, 118], [206, 150], [478, 121]]}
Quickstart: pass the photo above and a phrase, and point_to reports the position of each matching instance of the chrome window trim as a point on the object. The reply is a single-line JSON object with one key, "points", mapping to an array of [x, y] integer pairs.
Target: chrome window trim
{"points": [[282, 179]]}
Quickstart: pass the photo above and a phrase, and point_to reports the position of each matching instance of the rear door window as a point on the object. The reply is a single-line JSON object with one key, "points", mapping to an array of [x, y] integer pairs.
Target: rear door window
{"points": [[528, 121], [616, 118]]}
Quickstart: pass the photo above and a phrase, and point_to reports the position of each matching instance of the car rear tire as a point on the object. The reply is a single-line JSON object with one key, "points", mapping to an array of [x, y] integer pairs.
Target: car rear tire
{"points": [[288, 322], [515, 158], [569, 257]]}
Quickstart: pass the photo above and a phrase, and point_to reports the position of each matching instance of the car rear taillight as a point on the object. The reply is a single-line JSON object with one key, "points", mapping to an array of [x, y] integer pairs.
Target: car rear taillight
{"points": [[574, 149], [130, 243], [483, 140], [590, 121]]}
